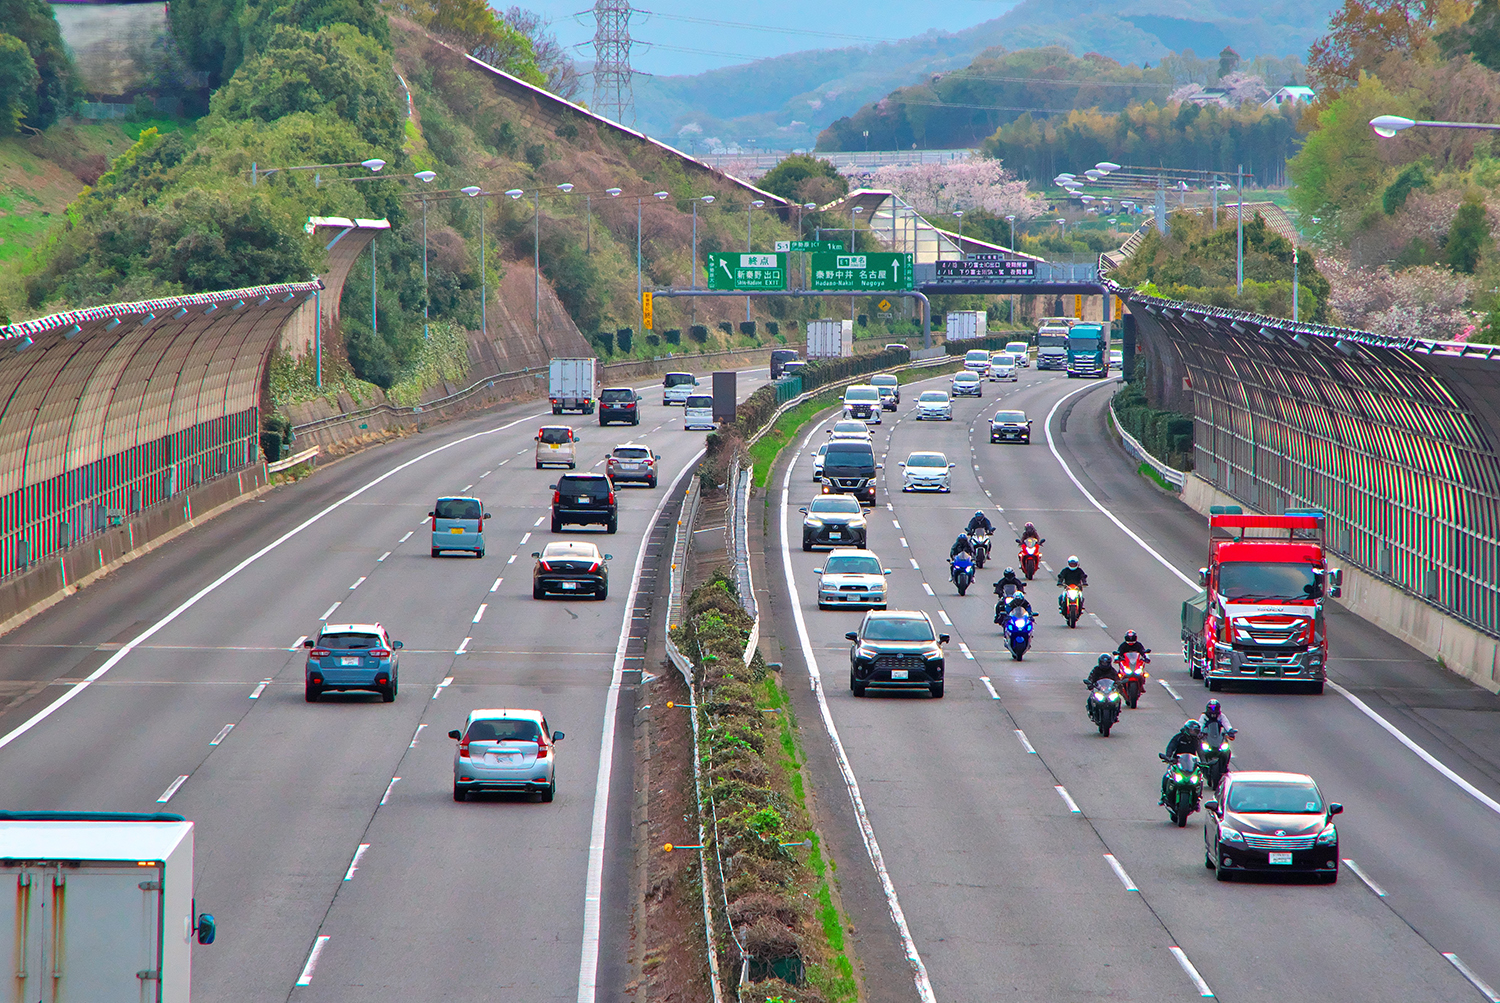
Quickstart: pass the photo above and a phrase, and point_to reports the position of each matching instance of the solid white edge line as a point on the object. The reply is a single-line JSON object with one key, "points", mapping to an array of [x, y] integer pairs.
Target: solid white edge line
{"points": [[1359, 873], [1062, 792], [1474, 980], [1192, 973], [1120, 873], [354, 864], [1052, 445], [305, 979], [1025, 742], [815, 680], [1168, 687], [167, 794], [593, 893], [223, 734]]}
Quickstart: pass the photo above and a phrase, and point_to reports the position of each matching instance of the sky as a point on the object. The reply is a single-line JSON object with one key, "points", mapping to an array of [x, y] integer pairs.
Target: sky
{"points": [[688, 36]]}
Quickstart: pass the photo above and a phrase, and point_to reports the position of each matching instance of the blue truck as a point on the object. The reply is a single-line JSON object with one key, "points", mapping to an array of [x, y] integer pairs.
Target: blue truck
{"points": [[1088, 351]]}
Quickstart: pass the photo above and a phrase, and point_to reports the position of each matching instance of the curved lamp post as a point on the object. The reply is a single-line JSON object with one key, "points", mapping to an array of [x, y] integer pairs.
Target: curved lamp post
{"points": [[1387, 126]]}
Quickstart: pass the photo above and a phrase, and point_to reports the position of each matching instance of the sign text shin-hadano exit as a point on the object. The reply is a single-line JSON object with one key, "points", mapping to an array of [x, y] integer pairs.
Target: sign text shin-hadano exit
{"points": [[737, 272]]}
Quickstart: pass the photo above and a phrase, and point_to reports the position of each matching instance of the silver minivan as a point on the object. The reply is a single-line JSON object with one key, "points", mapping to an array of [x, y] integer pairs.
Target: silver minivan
{"points": [[505, 751], [698, 412], [675, 388], [556, 444], [458, 524]]}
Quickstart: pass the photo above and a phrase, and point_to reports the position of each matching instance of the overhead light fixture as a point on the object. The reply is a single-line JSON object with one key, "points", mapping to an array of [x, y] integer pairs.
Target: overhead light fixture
{"points": [[114, 322], [612, 192], [1268, 334], [471, 190], [515, 193], [707, 200], [70, 332], [1093, 175], [663, 195], [1106, 166], [426, 177], [374, 164], [1301, 340], [565, 187], [757, 202], [1387, 126]]}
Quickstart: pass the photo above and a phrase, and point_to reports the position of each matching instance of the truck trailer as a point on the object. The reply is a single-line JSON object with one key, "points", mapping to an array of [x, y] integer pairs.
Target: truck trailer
{"points": [[573, 385]]}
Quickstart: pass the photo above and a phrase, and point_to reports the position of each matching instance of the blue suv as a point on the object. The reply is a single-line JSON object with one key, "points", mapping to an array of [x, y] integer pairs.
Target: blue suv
{"points": [[352, 656]]}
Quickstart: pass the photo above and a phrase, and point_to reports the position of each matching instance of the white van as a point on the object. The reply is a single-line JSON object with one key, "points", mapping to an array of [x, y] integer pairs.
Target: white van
{"points": [[556, 445], [977, 360], [675, 387], [698, 412]]}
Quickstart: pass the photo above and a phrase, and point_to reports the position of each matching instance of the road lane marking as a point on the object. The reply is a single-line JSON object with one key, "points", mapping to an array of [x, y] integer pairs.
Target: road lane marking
{"points": [[539, 520], [382, 557], [223, 734], [1474, 980], [525, 538], [329, 612], [1047, 567], [485, 474], [463, 647], [1192, 973], [255, 693], [502, 463], [1120, 873], [1101, 623], [944, 617], [895, 523], [965, 649], [1359, 873], [437, 691], [496, 587], [846, 769], [357, 584], [929, 589], [512, 559], [468, 486], [384, 798], [914, 565], [1062, 792], [297, 643], [305, 979], [989, 686], [407, 536], [416, 735], [479, 613], [166, 795], [1025, 742], [593, 891], [1168, 687], [354, 864]]}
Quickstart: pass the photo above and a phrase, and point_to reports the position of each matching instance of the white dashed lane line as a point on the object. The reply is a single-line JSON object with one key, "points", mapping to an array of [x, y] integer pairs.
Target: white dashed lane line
{"points": [[172, 789], [479, 613], [358, 583], [914, 565], [408, 535], [223, 734], [329, 612], [354, 864], [463, 647], [1358, 873], [496, 587], [305, 979], [259, 689], [524, 539], [386, 797], [1120, 873], [1025, 743], [944, 617], [1168, 687], [1062, 792], [382, 557], [929, 589], [297, 643], [512, 559]]}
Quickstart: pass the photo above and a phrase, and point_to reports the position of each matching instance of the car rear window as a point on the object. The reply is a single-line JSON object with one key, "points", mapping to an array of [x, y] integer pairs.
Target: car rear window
{"points": [[576, 485], [504, 730], [632, 452], [457, 508], [884, 381], [853, 566], [677, 379], [617, 395], [1251, 797], [556, 436], [898, 630], [569, 551], [700, 401], [350, 641]]}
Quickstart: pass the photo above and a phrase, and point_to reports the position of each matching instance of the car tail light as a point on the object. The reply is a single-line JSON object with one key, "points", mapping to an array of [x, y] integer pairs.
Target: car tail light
{"points": [[593, 567], [379, 653], [463, 746], [611, 499], [630, 404], [541, 749], [556, 497], [318, 653], [650, 461], [546, 566]]}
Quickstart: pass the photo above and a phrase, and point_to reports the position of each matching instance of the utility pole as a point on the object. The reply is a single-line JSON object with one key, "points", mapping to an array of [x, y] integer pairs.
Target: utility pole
{"points": [[613, 95], [1239, 237]]}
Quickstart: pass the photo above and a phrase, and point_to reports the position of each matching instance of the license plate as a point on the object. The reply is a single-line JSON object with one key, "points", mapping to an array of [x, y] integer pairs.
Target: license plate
{"points": [[898, 673], [835, 536], [630, 466], [583, 499], [1279, 858], [349, 660], [569, 585], [455, 529], [502, 758]]}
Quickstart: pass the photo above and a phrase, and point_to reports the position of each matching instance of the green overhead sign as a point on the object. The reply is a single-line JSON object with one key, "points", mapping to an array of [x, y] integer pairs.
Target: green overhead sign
{"points": [[746, 272], [875, 272]]}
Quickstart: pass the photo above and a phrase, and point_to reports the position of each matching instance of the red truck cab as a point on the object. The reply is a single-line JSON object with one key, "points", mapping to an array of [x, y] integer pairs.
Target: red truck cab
{"points": [[1260, 617]]}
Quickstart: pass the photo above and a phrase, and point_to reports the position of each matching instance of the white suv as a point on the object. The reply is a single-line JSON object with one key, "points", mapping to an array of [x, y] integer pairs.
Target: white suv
{"points": [[851, 578]]}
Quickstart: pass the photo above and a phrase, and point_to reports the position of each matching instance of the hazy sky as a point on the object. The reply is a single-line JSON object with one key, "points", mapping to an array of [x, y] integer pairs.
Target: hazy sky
{"points": [[689, 36]]}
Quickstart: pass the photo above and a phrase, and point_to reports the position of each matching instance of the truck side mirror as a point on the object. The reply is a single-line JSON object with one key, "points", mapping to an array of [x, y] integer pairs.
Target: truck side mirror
{"points": [[207, 929], [1203, 576], [1335, 582]]}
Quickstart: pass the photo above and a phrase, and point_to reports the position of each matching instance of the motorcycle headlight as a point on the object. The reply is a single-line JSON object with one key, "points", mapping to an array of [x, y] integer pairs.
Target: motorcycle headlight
{"points": [[1114, 696], [1205, 746], [1178, 775], [1229, 835], [1328, 836]]}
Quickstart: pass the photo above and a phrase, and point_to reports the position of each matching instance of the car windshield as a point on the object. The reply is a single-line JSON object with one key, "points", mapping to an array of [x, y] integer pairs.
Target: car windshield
{"points": [[850, 454], [885, 390], [583, 486], [865, 394], [504, 730], [556, 436], [1252, 797], [933, 397], [1246, 582], [905, 629], [834, 504], [632, 452], [852, 566], [349, 641], [457, 508], [977, 355], [677, 379], [884, 381], [927, 460], [966, 378], [1016, 416], [1018, 347]]}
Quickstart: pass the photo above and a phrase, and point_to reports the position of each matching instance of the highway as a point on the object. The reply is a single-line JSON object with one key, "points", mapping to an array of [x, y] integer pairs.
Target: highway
{"points": [[1027, 853], [328, 843]]}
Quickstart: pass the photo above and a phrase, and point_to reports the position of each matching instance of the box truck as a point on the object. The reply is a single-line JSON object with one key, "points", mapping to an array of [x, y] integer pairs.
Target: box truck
{"points": [[572, 385], [965, 324], [830, 339]]}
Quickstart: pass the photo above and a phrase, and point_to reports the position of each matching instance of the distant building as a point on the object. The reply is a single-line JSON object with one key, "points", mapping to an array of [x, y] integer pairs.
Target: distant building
{"points": [[1210, 96], [1291, 93]]}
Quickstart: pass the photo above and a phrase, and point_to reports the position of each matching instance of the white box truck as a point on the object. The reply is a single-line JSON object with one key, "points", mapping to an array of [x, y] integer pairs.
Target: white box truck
{"points": [[103, 907], [573, 385], [965, 324], [1052, 343], [830, 339]]}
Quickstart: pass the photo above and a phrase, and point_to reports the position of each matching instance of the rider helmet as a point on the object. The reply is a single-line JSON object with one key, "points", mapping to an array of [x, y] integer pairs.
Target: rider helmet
{"points": [[1211, 710], [1105, 661], [1130, 637], [1010, 571], [1193, 728], [1073, 561], [979, 513], [962, 538], [1030, 528]]}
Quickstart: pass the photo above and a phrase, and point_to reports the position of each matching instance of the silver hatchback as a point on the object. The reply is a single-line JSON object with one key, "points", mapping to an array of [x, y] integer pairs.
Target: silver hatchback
{"points": [[505, 751]]}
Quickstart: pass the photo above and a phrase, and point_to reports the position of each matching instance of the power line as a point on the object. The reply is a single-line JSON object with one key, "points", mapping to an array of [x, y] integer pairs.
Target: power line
{"points": [[765, 27]]}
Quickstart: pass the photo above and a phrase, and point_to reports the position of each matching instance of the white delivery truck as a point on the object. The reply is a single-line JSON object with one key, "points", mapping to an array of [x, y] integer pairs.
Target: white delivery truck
{"points": [[965, 324], [1052, 343], [103, 907], [573, 385], [830, 339]]}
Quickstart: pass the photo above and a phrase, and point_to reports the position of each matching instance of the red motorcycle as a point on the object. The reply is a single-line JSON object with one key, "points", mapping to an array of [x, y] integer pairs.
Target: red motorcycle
{"points": [[1030, 556], [1131, 667]]}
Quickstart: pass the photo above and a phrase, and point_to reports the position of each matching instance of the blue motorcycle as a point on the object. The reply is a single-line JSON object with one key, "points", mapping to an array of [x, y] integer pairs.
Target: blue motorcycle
{"points": [[962, 572], [1018, 627]]}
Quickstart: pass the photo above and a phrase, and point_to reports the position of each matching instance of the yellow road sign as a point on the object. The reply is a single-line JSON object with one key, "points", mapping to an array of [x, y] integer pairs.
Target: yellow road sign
{"points": [[884, 305], [646, 311], [1078, 307]]}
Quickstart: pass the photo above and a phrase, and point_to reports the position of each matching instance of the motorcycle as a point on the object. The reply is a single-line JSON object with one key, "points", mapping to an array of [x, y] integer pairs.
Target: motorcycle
{"points": [[1030, 556], [1104, 704], [1018, 627], [1133, 675], [1214, 755], [1072, 604], [962, 572], [1184, 782], [980, 541]]}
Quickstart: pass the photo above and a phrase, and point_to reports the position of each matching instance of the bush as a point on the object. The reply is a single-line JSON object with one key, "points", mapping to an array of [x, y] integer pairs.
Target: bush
{"points": [[653, 340], [625, 337], [726, 327], [536, 154], [1167, 435], [863, 320], [673, 337], [606, 342], [747, 328], [698, 333], [773, 328]]}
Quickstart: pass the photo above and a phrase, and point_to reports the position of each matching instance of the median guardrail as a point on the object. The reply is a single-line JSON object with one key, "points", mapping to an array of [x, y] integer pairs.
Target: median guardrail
{"points": [[1171, 475]]}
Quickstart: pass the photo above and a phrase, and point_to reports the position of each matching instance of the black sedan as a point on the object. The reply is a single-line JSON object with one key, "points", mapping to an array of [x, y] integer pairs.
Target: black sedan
{"points": [[1271, 822], [570, 567], [1010, 426]]}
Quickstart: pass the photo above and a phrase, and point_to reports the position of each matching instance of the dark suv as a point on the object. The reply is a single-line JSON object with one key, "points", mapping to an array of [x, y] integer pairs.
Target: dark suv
{"points": [[619, 404], [896, 649], [849, 468], [584, 500]]}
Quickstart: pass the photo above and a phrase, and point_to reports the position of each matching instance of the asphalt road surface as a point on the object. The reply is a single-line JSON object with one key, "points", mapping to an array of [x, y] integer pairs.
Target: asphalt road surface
{"points": [[1027, 853], [328, 843]]}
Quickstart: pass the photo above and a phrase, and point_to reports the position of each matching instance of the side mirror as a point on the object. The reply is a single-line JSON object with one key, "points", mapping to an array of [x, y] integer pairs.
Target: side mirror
{"points": [[881, 466], [538, 438], [817, 571], [431, 515], [309, 643], [207, 929], [1202, 576], [486, 515], [852, 635], [952, 465], [1335, 809], [887, 570], [1212, 806], [942, 639], [901, 464], [455, 735], [609, 557], [551, 487], [558, 736], [395, 645], [802, 510], [537, 554]]}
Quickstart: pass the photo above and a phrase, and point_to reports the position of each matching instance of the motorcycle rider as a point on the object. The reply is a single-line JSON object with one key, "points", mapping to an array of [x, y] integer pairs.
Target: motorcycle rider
{"points": [[981, 521], [961, 545], [1132, 642], [1028, 532], [1104, 668], [1005, 603], [1186, 740], [1071, 574], [1215, 724]]}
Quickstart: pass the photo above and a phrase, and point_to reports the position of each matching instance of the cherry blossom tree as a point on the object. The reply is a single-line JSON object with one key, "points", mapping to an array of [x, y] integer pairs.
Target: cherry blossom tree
{"points": [[985, 184], [1423, 302]]}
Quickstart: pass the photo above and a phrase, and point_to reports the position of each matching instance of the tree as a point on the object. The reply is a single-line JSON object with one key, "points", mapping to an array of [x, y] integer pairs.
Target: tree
{"points": [[1469, 236], [216, 36], [1371, 36], [551, 59], [473, 26], [1479, 36], [977, 183], [18, 83], [1339, 170], [1229, 61], [803, 178], [57, 89]]}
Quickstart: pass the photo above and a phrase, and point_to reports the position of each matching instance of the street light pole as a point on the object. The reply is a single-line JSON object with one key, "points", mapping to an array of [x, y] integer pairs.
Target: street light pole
{"points": [[1295, 317], [1387, 126], [750, 212], [959, 214], [1239, 237], [474, 191]]}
